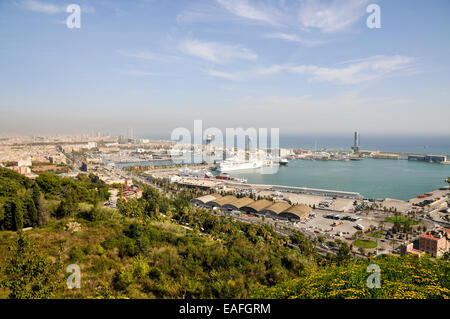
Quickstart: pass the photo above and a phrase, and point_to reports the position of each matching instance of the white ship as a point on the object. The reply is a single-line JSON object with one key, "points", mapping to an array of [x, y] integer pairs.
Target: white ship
{"points": [[234, 164]]}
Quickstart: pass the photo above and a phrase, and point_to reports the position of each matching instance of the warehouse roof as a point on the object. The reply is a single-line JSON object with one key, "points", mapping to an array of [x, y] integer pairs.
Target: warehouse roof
{"points": [[257, 206], [207, 198], [222, 200], [301, 211], [240, 202], [276, 208]]}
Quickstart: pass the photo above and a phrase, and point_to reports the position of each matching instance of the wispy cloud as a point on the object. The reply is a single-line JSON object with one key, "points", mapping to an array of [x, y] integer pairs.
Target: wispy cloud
{"points": [[205, 12], [372, 68], [295, 38], [243, 9], [224, 75], [51, 8], [147, 55], [216, 52], [355, 72], [331, 17], [42, 7]]}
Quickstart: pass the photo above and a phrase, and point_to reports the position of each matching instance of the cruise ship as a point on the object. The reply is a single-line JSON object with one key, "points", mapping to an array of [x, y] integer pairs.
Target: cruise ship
{"points": [[234, 164]]}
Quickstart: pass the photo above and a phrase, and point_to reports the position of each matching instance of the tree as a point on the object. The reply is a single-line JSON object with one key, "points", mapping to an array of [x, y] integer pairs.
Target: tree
{"points": [[31, 213], [343, 254], [49, 183], [29, 275], [131, 207], [13, 214], [151, 197], [37, 196], [42, 211], [68, 205]]}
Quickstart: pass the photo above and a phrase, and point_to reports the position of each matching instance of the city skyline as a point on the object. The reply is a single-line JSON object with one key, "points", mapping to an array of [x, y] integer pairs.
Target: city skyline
{"points": [[301, 66]]}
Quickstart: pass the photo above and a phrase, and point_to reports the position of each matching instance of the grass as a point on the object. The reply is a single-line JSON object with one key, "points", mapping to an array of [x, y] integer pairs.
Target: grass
{"points": [[401, 220], [377, 234], [365, 243]]}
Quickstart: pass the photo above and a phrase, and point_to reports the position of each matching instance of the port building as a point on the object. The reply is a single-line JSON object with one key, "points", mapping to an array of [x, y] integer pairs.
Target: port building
{"points": [[428, 158], [256, 207], [391, 156], [219, 202], [296, 212], [275, 209], [280, 210], [203, 200], [238, 204]]}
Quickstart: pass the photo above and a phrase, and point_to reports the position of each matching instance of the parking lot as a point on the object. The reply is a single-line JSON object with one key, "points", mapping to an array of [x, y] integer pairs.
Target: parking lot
{"points": [[338, 204], [321, 225]]}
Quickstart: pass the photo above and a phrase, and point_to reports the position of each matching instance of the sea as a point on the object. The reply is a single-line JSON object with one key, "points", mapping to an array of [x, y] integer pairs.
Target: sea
{"points": [[372, 178]]}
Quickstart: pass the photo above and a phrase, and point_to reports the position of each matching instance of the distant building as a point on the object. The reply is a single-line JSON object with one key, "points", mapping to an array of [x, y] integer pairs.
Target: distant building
{"points": [[128, 182], [94, 160], [408, 248], [24, 170], [87, 167], [428, 158], [435, 243], [57, 159], [91, 145], [386, 156], [123, 140], [23, 163], [130, 134], [356, 147], [435, 158]]}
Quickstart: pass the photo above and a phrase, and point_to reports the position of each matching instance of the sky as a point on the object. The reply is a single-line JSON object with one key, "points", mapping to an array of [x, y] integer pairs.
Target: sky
{"points": [[301, 66]]}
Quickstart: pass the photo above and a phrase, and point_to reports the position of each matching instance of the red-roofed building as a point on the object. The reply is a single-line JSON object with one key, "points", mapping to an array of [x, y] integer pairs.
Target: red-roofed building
{"points": [[435, 243]]}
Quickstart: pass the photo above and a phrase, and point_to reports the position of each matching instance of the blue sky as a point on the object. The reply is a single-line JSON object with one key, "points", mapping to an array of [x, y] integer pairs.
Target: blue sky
{"points": [[154, 65]]}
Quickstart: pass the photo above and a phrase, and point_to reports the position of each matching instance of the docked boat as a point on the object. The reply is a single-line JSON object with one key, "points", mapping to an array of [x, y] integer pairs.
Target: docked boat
{"points": [[195, 174], [234, 164], [284, 161], [224, 176]]}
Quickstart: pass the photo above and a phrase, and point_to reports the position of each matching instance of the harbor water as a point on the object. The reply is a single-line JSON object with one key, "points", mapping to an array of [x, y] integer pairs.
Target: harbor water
{"points": [[372, 178]]}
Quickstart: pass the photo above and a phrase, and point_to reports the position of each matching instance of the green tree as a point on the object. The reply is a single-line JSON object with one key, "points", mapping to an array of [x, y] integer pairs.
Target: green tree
{"points": [[68, 205], [30, 213], [151, 197], [13, 214], [131, 207], [344, 253], [29, 274], [50, 184], [37, 196]]}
